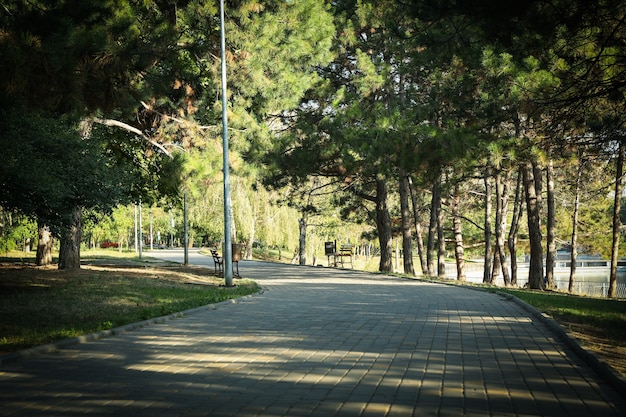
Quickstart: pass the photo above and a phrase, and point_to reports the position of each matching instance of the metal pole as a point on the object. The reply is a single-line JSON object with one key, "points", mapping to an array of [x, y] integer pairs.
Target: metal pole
{"points": [[228, 255], [140, 232], [151, 236], [171, 228], [186, 237], [136, 236]]}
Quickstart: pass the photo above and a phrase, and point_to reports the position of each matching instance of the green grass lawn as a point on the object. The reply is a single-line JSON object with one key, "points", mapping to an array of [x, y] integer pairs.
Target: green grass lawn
{"points": [[39, 305], [606, 313]]}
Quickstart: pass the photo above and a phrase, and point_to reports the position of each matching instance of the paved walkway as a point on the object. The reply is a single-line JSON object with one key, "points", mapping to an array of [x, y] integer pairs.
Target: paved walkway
{"points": [[321, 342]]}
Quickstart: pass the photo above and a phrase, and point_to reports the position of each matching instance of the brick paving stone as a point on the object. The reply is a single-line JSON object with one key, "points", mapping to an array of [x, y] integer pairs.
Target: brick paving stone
{"points": [[321, 342]]}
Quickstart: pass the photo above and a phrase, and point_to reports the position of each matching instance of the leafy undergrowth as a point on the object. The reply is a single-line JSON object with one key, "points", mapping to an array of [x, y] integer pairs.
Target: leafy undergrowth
{"points": [[40, 305]]}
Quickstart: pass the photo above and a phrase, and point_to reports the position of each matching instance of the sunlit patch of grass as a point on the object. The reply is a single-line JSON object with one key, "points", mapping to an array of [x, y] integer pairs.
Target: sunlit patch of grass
{"points": [[605, 314], [42, 305]]}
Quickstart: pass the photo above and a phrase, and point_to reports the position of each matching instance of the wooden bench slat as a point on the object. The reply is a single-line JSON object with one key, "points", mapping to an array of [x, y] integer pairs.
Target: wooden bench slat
{"points": [[345, 251], [218, 261]]}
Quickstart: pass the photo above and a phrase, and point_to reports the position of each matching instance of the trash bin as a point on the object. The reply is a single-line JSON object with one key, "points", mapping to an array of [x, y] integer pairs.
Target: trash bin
{"points": [[330, 248], [236, 248]]}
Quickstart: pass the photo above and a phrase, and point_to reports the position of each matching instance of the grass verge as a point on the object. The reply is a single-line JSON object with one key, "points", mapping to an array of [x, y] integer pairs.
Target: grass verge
{"points": [[40, 305]]}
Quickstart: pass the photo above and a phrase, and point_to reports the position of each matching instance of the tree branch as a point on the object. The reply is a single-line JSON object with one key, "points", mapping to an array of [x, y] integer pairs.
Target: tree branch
{"points": [[175, 119], [132, 129]]}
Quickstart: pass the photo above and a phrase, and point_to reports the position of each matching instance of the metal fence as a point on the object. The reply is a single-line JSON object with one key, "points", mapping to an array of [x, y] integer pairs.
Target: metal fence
{"points": [[593, 289], [592, 280]]}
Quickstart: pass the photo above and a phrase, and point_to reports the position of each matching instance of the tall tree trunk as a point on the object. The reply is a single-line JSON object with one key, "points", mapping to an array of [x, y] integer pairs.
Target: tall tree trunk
{"points": [[69, 252], [619, 169], [418, 227], [496, 266], [253, 222], [251, 237], [383, 226], [550, 226], [302, 240], [533, 204], [44, 245], [435, 202], [457, 227], [487, 277], [441, 243], [513, 231], [407, 241], [396, 256], [574, 240], [503, 183]]}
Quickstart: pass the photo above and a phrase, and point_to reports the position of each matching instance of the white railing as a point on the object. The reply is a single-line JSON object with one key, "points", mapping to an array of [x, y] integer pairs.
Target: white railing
{"points": [[593, 289], [592, 278]]}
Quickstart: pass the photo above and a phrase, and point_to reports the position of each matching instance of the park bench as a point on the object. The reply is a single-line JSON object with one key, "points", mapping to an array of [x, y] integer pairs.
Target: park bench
{"points": [[218, 260], [344, 255], [346, 251]]}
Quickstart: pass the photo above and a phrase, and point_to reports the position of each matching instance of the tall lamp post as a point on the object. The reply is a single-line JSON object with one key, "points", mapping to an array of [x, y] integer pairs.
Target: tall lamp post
{"points": [[186, 230], [228, 253]]}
